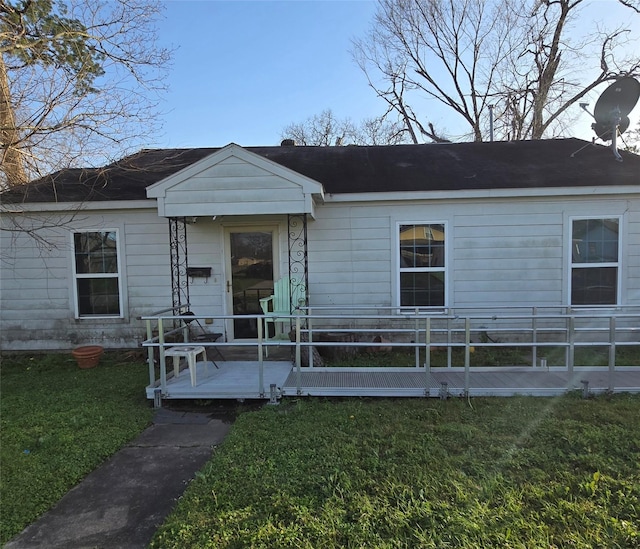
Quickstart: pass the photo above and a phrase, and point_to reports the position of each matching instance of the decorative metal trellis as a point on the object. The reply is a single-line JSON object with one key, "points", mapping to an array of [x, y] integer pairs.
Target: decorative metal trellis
{"points": [[178, 248], [298, 258]]}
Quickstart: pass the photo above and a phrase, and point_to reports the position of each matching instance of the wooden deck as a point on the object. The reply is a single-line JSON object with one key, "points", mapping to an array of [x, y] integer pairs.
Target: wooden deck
{"points": [[240, 379]]}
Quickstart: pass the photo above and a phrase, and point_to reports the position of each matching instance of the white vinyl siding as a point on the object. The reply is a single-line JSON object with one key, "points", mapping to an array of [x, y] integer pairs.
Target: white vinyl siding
{"points": [[38, 294], [502, 252], [507, 253], [350, 257]]}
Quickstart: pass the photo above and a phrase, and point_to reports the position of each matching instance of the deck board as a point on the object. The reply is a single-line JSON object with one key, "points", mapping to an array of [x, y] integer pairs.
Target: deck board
{"points": [[240, 380], [232, 379]]}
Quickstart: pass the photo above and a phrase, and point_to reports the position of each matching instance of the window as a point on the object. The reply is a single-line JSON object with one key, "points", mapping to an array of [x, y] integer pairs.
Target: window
{"points": [[422, 265], [97, 276], [594, 261]]}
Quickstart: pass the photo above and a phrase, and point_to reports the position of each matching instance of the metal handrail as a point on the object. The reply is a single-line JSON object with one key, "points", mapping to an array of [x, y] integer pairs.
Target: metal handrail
{"points": [[306, 322]]}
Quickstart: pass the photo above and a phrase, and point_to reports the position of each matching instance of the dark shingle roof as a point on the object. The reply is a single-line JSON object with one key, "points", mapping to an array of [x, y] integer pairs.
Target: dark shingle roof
{"points": [[354, 169]]}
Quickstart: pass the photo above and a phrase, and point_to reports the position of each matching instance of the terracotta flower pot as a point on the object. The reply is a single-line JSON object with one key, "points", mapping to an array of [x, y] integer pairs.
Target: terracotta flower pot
{"points": [[88, 356]]}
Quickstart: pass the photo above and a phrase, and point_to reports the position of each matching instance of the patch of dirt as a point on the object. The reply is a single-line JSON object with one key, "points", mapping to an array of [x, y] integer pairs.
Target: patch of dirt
{"points": [[224, 410]]}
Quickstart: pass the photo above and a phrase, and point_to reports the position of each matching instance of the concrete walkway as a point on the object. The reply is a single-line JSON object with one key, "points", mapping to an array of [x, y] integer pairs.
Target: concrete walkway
{"points": [[121, 504]]}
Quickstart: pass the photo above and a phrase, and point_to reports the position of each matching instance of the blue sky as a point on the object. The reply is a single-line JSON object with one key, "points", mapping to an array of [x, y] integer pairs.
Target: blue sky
{"points": [[243, 70]]}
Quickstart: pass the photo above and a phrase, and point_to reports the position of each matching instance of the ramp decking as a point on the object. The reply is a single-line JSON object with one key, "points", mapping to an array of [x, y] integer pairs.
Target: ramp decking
{"points": [[242, 380]]}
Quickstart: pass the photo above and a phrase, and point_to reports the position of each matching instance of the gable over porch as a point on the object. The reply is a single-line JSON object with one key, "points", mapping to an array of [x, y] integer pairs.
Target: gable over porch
{"points": [[235, 181]]}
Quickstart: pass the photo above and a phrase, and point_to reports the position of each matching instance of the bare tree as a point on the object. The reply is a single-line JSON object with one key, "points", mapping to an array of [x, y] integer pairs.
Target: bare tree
{"points": [[548, 77], [379, 131], [633, 4], [517, 60], [325, 130], [79, 82], [631, 140]]}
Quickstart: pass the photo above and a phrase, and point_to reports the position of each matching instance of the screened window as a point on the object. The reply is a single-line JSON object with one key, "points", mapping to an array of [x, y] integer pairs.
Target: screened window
{"points": [[594, 261], [97, 274], [422, 265]]}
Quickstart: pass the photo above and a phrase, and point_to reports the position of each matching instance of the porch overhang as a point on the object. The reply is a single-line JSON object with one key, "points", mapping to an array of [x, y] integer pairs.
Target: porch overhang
{"points": [[234, 181]]}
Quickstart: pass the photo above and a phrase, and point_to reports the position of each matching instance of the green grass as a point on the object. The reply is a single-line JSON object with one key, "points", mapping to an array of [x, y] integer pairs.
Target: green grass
{"points": [[513, 472], [516, 472], [627, 355], [480, 356], [489, 356], [58, 423]]}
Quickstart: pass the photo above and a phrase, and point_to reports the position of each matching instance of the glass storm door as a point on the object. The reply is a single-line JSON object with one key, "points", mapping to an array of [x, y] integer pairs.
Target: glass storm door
{"points": [[250, 277]]}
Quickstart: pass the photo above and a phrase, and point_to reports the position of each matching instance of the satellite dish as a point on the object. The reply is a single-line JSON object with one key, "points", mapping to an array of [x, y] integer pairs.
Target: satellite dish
{"points": [[613, 106]]}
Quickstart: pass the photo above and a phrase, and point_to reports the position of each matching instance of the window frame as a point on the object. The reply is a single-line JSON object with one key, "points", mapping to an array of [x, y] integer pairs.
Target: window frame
{"points": [[594, 265], [119, 275], [399, 269]]}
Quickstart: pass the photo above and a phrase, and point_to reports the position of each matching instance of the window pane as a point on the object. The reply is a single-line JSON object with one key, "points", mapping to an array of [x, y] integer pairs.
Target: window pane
{"points": [[594, 286], [96, 252], [251, 277], [421, 246], [98, 296], [422, 289], [595, 240]]}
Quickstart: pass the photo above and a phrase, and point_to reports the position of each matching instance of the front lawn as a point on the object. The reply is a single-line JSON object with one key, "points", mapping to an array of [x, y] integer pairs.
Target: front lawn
{"points": [[627, 355], [58, 423], [517, 472]]}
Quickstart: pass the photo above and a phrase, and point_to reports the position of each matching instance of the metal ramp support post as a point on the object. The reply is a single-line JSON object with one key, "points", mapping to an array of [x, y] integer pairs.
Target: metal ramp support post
{"points": [[298, 358], [467, 354], [309, 338], [534, 337], [612, 352], [427, 362], [417, 337], [571, 355], [163, 360], [273, 395], [157, 399], [150, 357], [449, 348], [260, 359]]}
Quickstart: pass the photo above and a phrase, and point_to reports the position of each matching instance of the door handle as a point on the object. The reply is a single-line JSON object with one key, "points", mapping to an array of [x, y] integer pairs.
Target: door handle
{"points": [[228, 286]]}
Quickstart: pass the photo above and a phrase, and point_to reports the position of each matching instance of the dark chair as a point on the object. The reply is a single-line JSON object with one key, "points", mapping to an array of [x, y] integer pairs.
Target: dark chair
{"points": [[203, 336]]}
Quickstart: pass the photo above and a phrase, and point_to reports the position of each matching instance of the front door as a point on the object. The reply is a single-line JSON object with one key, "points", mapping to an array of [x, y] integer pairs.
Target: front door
{"points": [[250, 261]]}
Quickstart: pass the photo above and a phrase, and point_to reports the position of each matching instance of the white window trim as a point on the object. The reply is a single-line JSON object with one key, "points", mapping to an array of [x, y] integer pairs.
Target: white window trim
{"points": [[76, 276], [446, 269], [618, 264]]}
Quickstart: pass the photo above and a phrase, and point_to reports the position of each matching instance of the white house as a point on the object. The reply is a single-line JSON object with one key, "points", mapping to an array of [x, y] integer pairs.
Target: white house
{"points": [[533, 223]]}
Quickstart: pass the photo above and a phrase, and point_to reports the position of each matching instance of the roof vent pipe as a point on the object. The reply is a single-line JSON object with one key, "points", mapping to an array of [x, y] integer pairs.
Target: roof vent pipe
{"points": [[288, 143], [490, 122]]}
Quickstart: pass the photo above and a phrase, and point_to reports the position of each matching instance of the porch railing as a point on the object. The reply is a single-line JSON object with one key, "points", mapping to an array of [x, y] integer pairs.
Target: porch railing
{"points": [[161, 325], [536, 329]]}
